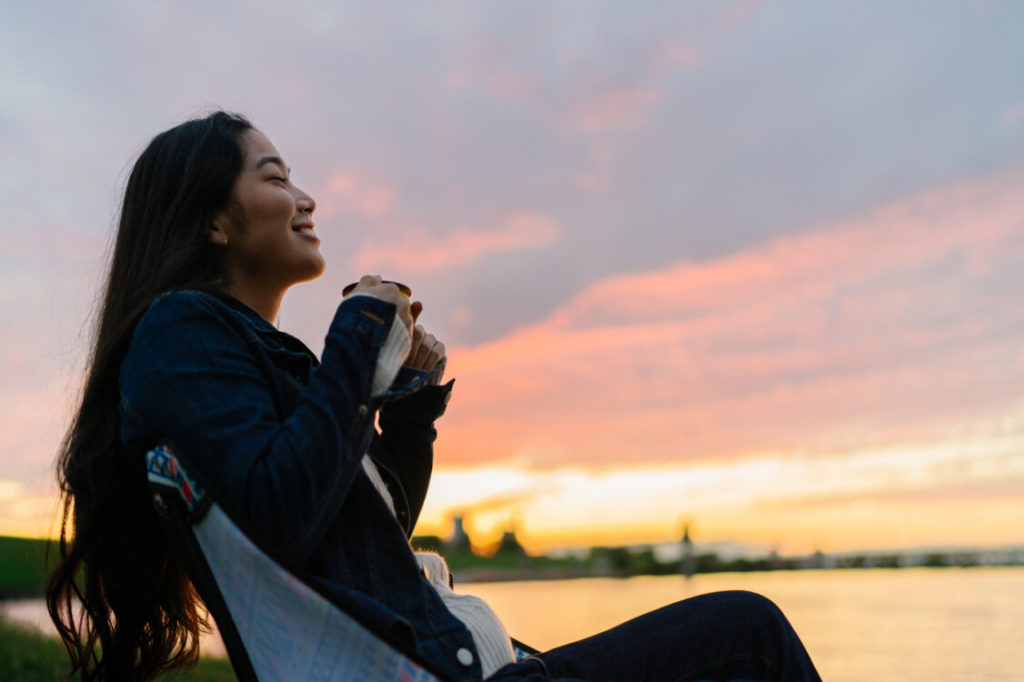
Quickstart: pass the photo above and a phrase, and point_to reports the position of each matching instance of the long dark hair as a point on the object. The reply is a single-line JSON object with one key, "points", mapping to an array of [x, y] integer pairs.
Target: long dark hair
{"points": [[121, 602]]}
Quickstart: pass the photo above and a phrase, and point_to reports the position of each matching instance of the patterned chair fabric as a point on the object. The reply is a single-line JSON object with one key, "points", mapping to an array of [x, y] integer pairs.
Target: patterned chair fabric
{"points": [[274, 625]]}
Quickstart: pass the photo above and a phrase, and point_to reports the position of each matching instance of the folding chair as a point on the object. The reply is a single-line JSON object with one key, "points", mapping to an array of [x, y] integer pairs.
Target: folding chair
{"points": [[275, 626]]}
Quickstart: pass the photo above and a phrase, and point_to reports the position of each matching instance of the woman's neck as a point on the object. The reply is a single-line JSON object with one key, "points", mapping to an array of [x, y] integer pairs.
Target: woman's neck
{"points": [[265, 302]]}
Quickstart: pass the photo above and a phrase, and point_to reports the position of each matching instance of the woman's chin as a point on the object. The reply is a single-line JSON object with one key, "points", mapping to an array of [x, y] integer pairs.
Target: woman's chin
{"points": [[316, 269]]}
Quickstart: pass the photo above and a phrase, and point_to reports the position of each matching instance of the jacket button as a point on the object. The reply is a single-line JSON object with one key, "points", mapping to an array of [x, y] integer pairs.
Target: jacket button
{"points": [[363, 409], [465, 656]]}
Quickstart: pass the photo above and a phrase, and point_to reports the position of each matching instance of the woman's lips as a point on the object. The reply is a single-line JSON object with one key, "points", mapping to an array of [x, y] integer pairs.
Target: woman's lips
{"points": [[306, 230]]}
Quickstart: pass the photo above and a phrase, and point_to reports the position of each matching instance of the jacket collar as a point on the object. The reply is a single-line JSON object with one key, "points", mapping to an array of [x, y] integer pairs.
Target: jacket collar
{"points": [[259, 325]]}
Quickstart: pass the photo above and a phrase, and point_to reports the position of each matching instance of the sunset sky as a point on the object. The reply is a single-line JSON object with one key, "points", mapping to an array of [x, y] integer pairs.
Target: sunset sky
{"points": [[756, 267]]}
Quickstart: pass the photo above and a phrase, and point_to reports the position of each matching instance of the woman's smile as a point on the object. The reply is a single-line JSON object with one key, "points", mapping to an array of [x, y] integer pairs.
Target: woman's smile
{"points": [[306, 230]]}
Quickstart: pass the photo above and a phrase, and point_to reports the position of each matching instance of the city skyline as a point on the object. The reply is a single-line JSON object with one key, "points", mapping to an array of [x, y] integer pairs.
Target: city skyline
{"points": [[728, 555]]}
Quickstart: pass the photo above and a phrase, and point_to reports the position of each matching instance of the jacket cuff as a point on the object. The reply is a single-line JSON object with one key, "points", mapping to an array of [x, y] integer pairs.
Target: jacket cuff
{"points": [[426, 404]]}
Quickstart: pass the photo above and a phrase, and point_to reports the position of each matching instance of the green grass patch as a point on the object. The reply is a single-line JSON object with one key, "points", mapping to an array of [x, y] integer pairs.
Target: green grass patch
{"points": [[26, 654], [29, 656], [22, 567]]}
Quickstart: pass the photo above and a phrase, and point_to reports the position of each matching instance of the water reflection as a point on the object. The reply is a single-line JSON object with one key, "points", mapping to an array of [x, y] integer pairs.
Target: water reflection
{"points": [[907, 624]]}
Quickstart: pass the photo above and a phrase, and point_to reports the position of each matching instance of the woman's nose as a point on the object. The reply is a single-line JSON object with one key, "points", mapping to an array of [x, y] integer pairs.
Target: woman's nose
{"points": [[304, 202]]}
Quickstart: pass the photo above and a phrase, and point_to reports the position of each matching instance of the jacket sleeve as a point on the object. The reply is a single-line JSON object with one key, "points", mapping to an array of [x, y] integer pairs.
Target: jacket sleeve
{"points": [[405, 447], [190, 378]]}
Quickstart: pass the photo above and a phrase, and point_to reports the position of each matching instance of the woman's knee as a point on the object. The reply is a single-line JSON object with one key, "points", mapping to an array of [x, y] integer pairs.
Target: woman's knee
{"points": [[759, 609], [755, 603], [779, 648], [738, 601], [739, 609]]}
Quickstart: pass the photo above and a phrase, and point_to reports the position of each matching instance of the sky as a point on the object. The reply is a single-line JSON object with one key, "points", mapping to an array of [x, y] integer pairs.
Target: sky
{"points": [[755, 267]]}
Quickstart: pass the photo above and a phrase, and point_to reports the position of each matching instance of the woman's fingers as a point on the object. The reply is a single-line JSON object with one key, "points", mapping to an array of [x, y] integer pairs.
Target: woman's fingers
{"points": [[426, 350]]}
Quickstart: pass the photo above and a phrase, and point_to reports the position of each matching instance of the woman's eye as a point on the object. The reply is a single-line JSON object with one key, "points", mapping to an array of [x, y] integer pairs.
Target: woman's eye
{"points": [[278, 178]]}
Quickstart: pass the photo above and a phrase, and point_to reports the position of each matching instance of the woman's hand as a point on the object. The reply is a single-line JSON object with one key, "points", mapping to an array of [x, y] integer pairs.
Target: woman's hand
{"points": [[386, 291], [426, 351]]}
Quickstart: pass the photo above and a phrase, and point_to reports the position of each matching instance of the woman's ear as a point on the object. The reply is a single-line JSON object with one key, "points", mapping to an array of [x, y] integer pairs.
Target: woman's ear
{"points": [[218, 235]]}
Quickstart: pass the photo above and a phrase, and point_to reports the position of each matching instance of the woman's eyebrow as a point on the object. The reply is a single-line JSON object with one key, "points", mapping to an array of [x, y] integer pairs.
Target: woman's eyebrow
{"points": [[272, 159]]}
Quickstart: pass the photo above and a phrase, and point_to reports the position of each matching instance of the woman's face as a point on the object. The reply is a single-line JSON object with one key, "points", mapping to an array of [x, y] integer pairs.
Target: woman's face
{"points": [[267, 228]]}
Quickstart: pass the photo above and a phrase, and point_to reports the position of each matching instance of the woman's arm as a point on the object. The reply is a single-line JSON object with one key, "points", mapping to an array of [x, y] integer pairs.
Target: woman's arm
{"points": [[405, 448], [406, 445], [192, 378]]}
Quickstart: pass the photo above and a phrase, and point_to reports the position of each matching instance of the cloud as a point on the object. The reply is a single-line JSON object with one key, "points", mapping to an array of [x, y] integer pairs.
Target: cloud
{"points": [[347, 191], [601, 103], [1009, 489], [499, 80], [622, 107], [10, 489], [967, 222], [33, 516], [1014, 115], [886, 326], [503, 80], [674, 54], [740, 12], [416, 249], [27, 513]]}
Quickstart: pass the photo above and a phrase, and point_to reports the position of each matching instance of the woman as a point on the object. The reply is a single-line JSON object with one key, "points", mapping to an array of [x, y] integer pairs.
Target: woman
{"points": [[212, 234]]}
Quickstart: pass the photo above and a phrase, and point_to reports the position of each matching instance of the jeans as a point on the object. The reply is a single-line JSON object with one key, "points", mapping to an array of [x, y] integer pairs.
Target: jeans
{"points": [[721, 636]]}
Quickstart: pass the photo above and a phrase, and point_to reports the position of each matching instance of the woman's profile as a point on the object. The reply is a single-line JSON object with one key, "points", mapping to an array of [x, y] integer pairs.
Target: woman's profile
{"points": [[211, 235]]}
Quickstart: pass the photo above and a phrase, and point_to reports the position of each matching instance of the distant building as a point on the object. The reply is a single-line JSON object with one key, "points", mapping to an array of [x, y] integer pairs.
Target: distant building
{"points": [[510, 545], [459, 540], [687, 564], [819, 560]]}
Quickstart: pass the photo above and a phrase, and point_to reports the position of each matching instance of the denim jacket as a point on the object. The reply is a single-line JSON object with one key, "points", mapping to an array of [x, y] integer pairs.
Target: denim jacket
{"points": [[278, 437]]}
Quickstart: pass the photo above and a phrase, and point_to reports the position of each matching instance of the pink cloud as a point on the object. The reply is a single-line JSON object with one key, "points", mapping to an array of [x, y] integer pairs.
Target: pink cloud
{"points": [[740, 11], [454, 79], [593, 181], [415, 249], [505, 81], [495, 68], [871, 328], [622, 107], [349, 192], [598, 177], [674, 54], [904, 235], [1014, 115]]}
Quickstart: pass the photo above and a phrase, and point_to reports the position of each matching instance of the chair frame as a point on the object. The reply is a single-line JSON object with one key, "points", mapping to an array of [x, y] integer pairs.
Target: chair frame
{"points": [[182, 502]]}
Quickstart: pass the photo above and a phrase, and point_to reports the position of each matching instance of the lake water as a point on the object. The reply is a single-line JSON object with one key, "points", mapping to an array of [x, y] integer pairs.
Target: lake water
{"points": [[938, 625]]}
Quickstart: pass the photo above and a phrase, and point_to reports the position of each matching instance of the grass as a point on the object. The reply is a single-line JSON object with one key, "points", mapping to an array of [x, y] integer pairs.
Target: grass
{"points": [[28, 656], [22, 567]]}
